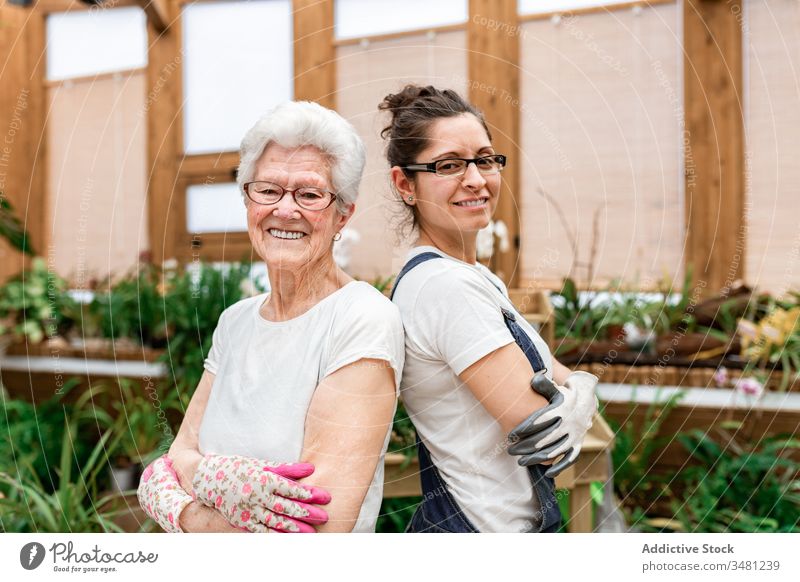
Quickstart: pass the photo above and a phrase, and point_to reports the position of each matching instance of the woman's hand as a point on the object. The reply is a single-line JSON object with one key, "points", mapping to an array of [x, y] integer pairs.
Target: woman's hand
{"points": [[161, 496], [260, 495], [560, 427]]}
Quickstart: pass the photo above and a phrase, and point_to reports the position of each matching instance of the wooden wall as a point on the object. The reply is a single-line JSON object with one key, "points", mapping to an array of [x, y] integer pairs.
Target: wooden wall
{"points": [[714, 200]]}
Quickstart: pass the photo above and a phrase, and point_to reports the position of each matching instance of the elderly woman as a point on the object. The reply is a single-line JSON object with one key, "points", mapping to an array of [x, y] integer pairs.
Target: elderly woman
{"points": [[308, 372]]}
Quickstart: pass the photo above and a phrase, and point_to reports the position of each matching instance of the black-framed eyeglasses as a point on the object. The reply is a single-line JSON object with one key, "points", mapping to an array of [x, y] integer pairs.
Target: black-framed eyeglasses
{"points": [[307, 197], [457, 166]]}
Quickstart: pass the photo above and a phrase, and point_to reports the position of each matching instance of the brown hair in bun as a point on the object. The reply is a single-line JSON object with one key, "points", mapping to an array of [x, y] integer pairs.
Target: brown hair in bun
{"points": [[413, 110]]}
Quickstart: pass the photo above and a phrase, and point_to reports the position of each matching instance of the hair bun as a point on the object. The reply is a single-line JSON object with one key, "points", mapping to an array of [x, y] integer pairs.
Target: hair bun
{"points": [[396, 103]]}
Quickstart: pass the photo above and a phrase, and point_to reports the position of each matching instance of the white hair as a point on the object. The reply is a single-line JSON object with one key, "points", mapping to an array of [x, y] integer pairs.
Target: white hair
{"points": [[304, 123]]}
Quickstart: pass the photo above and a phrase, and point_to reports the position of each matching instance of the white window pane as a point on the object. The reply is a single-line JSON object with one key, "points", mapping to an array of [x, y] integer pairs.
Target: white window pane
{"points": [[215, 208], [238, 63], [89, 42], [356, 18], [545, 6]]}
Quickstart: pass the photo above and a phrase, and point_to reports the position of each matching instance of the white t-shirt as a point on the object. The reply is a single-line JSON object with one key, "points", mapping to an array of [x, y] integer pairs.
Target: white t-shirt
{"points": [[452, 318], [266, 373]]}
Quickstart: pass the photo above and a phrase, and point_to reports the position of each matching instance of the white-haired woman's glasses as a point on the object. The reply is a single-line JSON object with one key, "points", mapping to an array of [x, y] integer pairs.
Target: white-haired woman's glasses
{"points": [[307, 197]]}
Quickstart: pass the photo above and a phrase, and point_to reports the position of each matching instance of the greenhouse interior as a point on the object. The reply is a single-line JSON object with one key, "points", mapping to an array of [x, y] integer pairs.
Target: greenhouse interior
{"points": [[647, 227]]}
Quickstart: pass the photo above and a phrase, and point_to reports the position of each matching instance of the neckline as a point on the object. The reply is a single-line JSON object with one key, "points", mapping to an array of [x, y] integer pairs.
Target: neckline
{"points": [[308, 312], [430, 248]]}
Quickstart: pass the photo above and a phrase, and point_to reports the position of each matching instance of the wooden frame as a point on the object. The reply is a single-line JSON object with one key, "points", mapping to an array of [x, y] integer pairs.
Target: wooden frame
{"points": [[23, 151], [493, 58], [592, 9], [714, 138], [172, 171], [715, 192]]}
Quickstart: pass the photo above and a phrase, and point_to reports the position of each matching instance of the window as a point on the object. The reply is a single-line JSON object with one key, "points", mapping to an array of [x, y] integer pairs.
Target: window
{"points": [[215, 208], [238, 63], [81, 44], [545, 6], [357, 18]]}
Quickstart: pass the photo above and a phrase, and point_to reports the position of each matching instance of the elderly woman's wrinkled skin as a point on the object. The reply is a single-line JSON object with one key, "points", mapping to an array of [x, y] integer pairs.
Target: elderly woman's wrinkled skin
{"points": [[304, 267]]}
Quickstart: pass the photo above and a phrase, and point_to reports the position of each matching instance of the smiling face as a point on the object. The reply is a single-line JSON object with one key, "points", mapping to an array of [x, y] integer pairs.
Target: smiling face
{"points": [[453, 207], [285, 235]]}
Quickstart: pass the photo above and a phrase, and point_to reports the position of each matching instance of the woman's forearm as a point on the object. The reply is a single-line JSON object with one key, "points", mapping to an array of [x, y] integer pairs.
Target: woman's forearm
{"points": [[199, 518], [560, 372]]}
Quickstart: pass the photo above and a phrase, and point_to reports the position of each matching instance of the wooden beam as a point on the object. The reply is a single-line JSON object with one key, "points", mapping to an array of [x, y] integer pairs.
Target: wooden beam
{"points": [[23, 143], [583, 11], [493, 70], [164, 139], [217, 165], [158, 13], [314, 52], [714, 142], [50, 6]]}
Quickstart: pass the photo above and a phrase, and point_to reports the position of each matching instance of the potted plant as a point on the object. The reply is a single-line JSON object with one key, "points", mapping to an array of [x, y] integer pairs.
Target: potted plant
{"points": [[33, 304]]}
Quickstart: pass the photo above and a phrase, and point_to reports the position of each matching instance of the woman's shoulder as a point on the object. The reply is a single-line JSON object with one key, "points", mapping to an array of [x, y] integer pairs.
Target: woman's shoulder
{"points": [[242, 308], [360, 300], [443, 277]]}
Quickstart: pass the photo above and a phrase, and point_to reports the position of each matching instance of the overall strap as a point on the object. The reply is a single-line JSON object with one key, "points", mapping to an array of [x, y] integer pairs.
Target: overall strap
{"points": [[419, 259], [523, 340]]}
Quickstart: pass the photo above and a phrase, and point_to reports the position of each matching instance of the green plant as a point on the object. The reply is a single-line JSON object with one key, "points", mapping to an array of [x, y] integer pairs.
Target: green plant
{"points": [[404, 435], [739, 488], [667, 313], [193, 303], [383, 284], [396, 513], [132, 307], [141, 417], [634, 447], [33, 303], [774, 341], [75, 506], [31, 435], [11, 228], [562, 497], [576, 316]]}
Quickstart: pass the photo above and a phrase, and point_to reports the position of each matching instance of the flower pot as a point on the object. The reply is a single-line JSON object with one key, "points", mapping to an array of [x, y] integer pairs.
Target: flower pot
{"points": [[125, 478]]}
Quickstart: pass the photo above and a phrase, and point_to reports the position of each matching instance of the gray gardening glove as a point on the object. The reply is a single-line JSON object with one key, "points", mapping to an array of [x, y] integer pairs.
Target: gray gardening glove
{"points": [[560, 427]]}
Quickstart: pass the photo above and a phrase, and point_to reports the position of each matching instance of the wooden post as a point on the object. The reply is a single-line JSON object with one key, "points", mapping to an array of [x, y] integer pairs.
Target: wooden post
{"points": [[22, 129], [493, 65], [314, 52], [714, 143], [164, 126]]}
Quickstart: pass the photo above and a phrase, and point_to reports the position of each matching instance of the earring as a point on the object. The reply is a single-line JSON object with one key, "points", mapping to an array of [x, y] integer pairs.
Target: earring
{"points": [[410, 199], [337, 236]]}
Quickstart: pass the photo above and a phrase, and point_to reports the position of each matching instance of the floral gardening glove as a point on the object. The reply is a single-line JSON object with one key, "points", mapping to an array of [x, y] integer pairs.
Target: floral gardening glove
{"points": [[161, 495], [558, 428], [260, 495]]}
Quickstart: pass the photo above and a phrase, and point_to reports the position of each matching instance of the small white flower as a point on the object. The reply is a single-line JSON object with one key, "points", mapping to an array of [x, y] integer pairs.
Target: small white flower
{"points": [[501, 232], [721, 377], [247, 288], [485, 242]]}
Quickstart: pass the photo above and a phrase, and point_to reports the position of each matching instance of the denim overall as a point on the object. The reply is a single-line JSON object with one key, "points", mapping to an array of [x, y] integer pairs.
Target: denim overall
{"points": [[438, 512]]}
